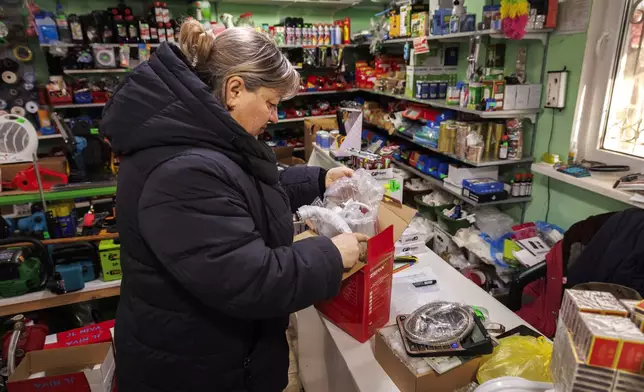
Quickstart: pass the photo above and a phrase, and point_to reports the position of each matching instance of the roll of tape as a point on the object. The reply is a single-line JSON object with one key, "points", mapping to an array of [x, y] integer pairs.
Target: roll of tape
{"points": [[13, 92], [28, 86], [32, 107], [10, 65], [23, 54], [19, 102], [3, 104], [9, 77], [33, 96], [17, 110], [29, 77]]}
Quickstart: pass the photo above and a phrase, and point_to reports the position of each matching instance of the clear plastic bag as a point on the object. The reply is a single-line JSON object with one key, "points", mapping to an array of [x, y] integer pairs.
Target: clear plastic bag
{"points": [[360, 218], [361, 187], [493, 222], [520, 356], [325, 222]]}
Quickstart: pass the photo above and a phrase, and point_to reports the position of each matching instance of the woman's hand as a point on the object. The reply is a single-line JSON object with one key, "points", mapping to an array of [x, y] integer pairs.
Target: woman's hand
{"points": [[351, 246], [336, 173]]}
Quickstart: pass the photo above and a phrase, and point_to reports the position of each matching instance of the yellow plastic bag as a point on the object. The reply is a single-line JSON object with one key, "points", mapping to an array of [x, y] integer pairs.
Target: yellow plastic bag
{"points": [[519, 356]]}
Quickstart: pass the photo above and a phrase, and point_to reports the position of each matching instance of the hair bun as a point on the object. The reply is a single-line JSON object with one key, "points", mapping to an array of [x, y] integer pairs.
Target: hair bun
{"points": [[195, 42]]}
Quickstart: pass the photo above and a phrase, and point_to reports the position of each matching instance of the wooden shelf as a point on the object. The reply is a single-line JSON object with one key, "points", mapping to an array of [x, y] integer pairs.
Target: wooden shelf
{"points": [[45, 299]]}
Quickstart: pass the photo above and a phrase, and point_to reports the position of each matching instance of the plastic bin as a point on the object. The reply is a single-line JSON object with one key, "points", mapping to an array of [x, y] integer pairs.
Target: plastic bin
{"points": [[452, 225]]}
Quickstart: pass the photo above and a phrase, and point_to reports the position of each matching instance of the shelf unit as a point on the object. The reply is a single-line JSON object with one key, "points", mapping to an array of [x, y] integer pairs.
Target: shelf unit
{"points": [[20, 197], [530, 114], [324, 154], [305, 93], [95, 71], [501, 162], [44, 299], [441, 184], [78, 106], [300, 119]]}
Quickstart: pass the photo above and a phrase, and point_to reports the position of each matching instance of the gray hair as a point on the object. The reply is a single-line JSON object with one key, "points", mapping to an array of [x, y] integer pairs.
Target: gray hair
{"points": [[243, 52]]}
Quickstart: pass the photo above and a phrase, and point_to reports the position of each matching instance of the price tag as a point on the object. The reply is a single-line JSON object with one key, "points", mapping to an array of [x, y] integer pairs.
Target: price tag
{"points": [[421, 45]]}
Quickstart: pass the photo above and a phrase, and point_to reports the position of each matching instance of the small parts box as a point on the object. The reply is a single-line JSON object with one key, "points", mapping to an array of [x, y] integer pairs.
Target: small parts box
{"points": [[110, 253], [483, 186]]}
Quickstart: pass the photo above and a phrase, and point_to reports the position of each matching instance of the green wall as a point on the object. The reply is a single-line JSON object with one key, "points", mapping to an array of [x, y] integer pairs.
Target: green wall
{"points": [[568, 204]]}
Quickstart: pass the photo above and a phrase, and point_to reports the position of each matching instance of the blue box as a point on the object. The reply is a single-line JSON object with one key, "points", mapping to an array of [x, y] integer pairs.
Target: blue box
{"points": [[483, 186]]}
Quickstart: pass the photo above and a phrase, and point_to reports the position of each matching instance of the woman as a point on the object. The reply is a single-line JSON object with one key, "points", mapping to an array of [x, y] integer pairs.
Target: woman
{"points": [[210, 270]]}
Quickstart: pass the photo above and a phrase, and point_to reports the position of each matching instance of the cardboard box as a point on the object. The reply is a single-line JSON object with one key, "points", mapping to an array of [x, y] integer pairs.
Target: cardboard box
{"points": [[413, 248], [57, 164], [457, 174], [365, 295], [408, 381], [110, 254], [415, 74], [523, 96], [534, 100], [510, 98], [70, 369], [91, 334]]}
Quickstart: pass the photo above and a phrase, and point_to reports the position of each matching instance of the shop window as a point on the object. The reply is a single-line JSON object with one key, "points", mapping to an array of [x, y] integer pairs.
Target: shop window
{"points": [[609, 120]]}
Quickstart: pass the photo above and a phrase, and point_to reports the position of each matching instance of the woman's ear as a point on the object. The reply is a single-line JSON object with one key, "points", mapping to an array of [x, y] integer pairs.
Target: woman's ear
{"points": [[234, 89]]}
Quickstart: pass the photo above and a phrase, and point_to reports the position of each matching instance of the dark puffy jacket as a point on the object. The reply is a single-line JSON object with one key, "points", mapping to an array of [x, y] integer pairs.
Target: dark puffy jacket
{"points": [[210, 270]]}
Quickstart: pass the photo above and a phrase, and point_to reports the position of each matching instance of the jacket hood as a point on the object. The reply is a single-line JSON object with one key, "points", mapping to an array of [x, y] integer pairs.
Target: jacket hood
{"points": [[164, 103]]}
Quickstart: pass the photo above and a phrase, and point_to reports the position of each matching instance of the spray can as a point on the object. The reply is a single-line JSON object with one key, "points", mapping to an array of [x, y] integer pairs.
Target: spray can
{"points": [[337, 31]]}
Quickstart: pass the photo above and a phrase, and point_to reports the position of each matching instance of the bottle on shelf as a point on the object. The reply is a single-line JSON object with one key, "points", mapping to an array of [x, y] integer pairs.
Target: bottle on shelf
{"points": [[75, 28], [516, 186], [154, 30], [157, 10], [169, 32], [90, 28], [106, 27], [162, 33], [503, 148], [337, 32], [120, 30], [144, 30], [64, 34], [132, 26], [346, 36]]}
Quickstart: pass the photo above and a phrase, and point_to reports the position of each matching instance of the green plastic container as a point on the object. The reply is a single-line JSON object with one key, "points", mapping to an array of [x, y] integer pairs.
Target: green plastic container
{"points": [[452, 225], [424, 209]]}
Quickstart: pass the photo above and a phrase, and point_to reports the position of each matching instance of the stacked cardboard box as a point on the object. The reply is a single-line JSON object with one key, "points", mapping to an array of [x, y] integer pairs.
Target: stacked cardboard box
{"points": [[597, 347]]}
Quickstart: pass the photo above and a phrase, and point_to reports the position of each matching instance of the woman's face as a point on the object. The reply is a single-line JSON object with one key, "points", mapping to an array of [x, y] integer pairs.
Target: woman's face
{"points": [[253, 110]]}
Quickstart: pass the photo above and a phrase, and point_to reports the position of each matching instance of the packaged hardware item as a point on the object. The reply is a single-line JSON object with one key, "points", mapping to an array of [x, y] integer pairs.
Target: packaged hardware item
{"points": [[609, 341], [580, 301], [569, 373], [515, 137]]}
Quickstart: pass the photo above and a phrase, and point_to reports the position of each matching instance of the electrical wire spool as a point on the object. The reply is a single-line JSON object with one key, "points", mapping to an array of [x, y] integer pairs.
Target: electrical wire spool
{"points": [[19, 102], [18, 139], [23, 54], [9, 77], [28, 86], [105, 58], [32, 107], [439, 324], [18, 111], [9, 65]]}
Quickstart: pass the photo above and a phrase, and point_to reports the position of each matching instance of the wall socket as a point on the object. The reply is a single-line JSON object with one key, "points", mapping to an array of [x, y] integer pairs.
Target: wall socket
{"points": [[556, 92]]}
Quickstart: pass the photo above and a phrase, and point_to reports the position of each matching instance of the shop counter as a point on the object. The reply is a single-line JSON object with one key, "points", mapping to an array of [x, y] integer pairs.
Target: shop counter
{"points": [[330, 360]]}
